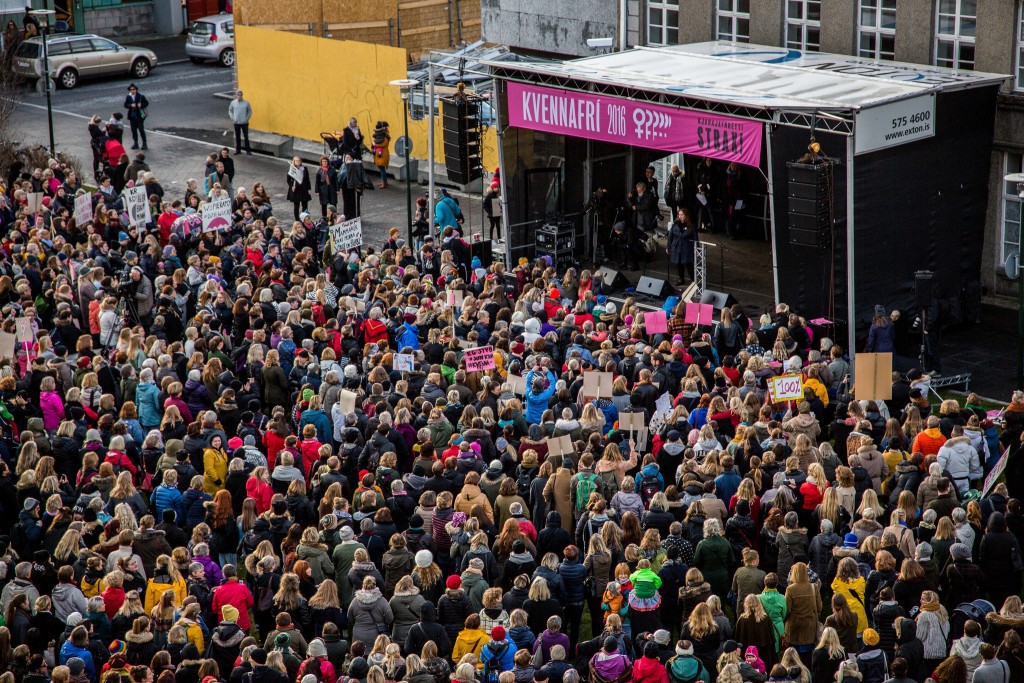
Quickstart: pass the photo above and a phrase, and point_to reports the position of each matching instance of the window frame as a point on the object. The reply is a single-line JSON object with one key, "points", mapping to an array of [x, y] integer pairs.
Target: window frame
{"points": [[1006, 198], [663, 8], [804, 25], [877, 30], [957, 40], [1019, 80], [735, 16]]}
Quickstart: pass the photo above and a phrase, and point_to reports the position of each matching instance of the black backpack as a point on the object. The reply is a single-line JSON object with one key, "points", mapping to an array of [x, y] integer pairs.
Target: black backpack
{"points": [[523, 482], [649, 487]]}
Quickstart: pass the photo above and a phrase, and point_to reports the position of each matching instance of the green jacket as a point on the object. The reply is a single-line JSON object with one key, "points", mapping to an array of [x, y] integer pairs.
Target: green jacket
{"points": [[342, 558], [775, 605], [645, 583], [714, 558]]}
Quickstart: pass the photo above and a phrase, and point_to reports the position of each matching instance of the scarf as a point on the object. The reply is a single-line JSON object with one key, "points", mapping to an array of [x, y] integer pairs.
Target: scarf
{"points": [[931, 606]]}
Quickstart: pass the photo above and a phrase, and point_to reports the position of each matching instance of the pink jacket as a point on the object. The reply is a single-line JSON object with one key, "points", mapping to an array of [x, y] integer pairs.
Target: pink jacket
{"points": [[53, 410]]}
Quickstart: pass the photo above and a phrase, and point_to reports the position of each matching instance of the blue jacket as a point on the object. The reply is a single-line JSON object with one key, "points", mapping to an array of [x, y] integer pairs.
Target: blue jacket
{"points": [[147, 401], [572, 574], [881, 339], [584, 352], [192, 503], [502, 662], [446, 212], [408, 335], [611, 413], [319, 419], [168, 497], [649, 470], [286, 353], [67, 651], [726, 485], [536, 404]]}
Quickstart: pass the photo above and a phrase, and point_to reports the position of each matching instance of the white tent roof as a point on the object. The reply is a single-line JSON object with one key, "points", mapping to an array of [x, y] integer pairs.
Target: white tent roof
{"points": [[760, 76]]}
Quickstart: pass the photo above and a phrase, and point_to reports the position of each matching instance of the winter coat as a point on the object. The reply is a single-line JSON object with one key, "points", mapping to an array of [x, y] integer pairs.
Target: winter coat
{"points": [[497, 656], [932, 631], [803, 605], [407, 608], [959, 457], [469, 641], [714, 557], [320, 564], [854, 592], [368, 610]]}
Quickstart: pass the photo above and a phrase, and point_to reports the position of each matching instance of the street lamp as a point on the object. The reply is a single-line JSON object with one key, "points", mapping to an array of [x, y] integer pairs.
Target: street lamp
{"points": [[1012, 268], [46, 14], [406, 84]]}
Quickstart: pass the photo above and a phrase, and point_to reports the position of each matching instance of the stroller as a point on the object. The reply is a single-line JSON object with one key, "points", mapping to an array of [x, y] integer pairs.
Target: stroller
{"points": [[332, 148], [967, 611]]}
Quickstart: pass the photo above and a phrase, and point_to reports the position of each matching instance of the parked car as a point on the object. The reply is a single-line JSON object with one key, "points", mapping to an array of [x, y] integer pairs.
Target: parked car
{"points": [[212, 37], [73, 57]]}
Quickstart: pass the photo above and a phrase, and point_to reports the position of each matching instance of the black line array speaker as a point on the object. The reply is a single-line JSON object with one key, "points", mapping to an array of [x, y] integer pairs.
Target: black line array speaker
{"points": [[611, 280], [460, 117], [924, 281], [810, 188], [650, 286], [719, 300]]}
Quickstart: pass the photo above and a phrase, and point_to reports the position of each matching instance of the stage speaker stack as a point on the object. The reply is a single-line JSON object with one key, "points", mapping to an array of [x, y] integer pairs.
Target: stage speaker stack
{"points": [[460, 117], [923, 288], [719, 300], [556, 241], [810, 190], [659, 289], [611, 280]]}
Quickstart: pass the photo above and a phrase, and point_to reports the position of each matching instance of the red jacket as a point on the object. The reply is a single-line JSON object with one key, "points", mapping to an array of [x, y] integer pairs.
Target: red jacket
{"points": [[186, 414], [274, 444], [261, 492], [113, 598], [235, 593], [647, 670], [812, 497], [119, 459], [374, 331]]}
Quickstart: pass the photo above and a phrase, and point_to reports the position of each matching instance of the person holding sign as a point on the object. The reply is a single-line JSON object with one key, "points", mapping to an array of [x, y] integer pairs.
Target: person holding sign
{"points": [[298, 187]]}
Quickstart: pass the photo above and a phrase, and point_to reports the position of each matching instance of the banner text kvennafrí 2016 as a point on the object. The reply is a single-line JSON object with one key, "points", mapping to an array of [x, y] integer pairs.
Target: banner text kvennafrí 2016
{"points": [[639, 124]]}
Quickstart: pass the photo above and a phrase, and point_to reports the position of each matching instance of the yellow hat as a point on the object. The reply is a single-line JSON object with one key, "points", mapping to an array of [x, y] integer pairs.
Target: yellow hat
{"points": [[870, 636], [229, 613]]}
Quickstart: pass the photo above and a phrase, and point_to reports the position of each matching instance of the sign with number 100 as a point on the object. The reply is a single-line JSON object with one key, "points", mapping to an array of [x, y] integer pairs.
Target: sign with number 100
{"points": [[787, 388]]}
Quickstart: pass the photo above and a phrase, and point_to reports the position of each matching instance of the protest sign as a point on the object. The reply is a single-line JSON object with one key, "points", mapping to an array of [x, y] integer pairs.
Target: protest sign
{"points": [[597, 384], [34, 201], [217, 215], [873, 376], [136, 205], [699, 314], [786, 388], [656, 322], [456, 297], [662, 409], [480, 359], [347, 401], [404, 362], [516, 384], [296, 173], [346, 235], [994, 474], [8, 342], [560, 445], [466, 344], [83, 209], [631, 422], [23, 326]]}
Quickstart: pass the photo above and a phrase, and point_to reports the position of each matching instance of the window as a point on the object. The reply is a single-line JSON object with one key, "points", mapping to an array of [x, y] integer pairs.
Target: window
{"points": [[734, 20], [1012, 163], [954, 33], [1020, 47], [662, 22], [876, 29], [803, 25]]}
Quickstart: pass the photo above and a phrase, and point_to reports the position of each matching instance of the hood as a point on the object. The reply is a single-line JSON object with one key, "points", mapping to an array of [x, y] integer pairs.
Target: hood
{"points": [[839, 552], [650, 470], [908, 632], [829, 540], [967, 647], [368, 597], [532, 325], [428, 612], [553, 520], [520, 558], [674, 448]]}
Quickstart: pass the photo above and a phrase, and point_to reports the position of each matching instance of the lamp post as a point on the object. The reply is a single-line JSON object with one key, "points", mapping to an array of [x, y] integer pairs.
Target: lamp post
{"points": [[46, 14], [1012, 268], [407, 84]]}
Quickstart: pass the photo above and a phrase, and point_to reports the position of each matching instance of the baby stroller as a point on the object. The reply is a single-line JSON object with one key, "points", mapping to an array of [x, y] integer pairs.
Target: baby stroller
{"points": [[966, 611], [332, 148]]}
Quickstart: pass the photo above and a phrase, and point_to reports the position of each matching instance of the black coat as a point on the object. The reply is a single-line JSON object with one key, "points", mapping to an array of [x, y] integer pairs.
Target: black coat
{"points": [[327, 185], [299, 191]]}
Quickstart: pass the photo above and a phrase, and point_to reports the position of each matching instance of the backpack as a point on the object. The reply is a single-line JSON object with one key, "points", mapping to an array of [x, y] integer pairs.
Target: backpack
{"points": [[585, 485], [265, 598], [523, 482], [649, 487], [19, 539], [493, 666], [607, 484]]}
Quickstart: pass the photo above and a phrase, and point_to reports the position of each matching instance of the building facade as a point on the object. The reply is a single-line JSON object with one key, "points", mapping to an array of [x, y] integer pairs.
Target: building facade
{"points": [[962, 34]]}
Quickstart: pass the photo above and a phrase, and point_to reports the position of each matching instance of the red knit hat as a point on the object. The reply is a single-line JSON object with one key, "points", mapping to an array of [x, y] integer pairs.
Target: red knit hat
{"points": [[453, 582], [498, 633]]}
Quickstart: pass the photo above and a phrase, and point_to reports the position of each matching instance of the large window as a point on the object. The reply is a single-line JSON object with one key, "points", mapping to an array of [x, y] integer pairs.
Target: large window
{"points": [[734, 20], [803, 25], [954, 33], [1012, 163], [662, 22], [1020, 47], [876, 29]]}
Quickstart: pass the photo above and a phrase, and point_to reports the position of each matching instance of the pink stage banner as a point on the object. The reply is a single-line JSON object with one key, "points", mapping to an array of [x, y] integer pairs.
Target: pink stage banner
{"points": [[640, 124]]}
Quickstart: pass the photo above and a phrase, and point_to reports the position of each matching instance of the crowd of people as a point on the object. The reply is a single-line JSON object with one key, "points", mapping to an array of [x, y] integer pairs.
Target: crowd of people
{"points": [[237, 456]]}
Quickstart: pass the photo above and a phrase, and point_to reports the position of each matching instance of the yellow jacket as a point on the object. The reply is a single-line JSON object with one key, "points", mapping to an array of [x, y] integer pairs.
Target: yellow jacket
{"points": [[155, 590], [91, 590], [193, 633], [470, 640], [855, 594], [215, 470], [820, 390]]}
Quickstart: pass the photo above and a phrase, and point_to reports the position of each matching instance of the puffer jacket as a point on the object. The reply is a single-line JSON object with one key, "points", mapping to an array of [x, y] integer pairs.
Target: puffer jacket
{"points": [[147, 400], [872, 460], [320, 564], [959, 457]]}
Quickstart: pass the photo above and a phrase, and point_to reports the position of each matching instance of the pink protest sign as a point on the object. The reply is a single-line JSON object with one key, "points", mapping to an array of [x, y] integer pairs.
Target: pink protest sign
{"points": [[639, 124], [479, 359], [656, 322], [699, 314]]}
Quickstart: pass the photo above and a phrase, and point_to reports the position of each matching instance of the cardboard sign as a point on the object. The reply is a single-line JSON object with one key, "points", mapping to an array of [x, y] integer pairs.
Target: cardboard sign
{"points": [[656, 322], [631, 422], [24, 329], [347, 400], [217, 215], [994, 474], [296, 173], [663, 408], [347, 235], [479, 359], [873, 376], [466, 344], [516, 384], [786, 388], [699, 314], [641, 440], [34, 201], [8, 342], [598, 384], [83, 208], [136, 205], [456, 297], [561, 445], [404, 362]]}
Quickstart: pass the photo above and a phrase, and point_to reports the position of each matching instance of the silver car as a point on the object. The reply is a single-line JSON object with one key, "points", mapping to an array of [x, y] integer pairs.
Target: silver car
{"points": [[73, 57], [212, 37]]}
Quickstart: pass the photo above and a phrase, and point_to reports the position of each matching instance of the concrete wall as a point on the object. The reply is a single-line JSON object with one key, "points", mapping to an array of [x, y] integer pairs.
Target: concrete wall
{"points": [[550, 26], [914, 34], [766, 22], [996, 33], [838, 32], [121, 20], [696, 21]]}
